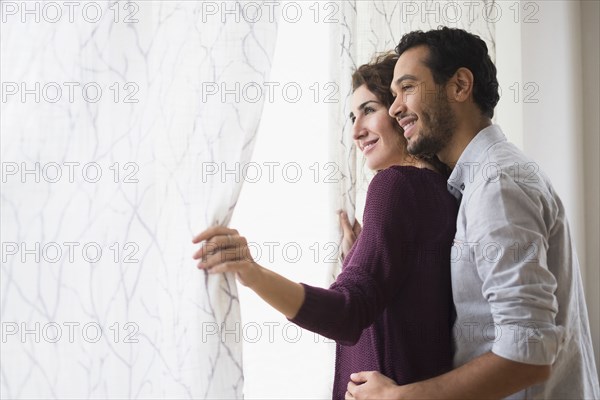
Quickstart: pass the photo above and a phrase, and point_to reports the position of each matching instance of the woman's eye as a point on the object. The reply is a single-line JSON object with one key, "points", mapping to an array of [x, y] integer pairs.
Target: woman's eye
{"points": [[369, 110]]}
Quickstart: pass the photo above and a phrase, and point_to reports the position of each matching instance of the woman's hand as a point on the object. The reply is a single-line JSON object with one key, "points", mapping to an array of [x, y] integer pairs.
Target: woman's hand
{"points": [[226, 251], [350, 233]]}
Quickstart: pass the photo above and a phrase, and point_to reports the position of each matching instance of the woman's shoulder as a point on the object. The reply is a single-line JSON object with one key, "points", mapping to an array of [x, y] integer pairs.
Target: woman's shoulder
{"points": [[396, 189], [402, 174], [410, 186]]}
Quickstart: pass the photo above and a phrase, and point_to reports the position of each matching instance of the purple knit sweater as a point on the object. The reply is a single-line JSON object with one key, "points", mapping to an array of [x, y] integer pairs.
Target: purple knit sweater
{"points": [[390, 309]]}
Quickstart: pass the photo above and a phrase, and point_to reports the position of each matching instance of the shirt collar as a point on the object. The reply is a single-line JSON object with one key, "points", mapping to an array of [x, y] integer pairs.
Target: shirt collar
{"points": [[474, 152]]}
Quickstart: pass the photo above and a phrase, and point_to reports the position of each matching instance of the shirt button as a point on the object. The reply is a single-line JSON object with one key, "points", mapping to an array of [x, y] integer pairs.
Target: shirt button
{"points": [[462, 186]]}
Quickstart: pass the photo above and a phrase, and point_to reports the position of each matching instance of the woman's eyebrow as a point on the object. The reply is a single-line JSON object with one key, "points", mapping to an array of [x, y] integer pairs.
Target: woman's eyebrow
{"points": [[363, 105]]}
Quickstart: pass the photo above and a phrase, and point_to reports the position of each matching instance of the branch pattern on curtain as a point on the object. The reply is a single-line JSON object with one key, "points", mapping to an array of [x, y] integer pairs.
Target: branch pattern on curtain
{"points": [[211, 141], [366, 28], [100, 297]]}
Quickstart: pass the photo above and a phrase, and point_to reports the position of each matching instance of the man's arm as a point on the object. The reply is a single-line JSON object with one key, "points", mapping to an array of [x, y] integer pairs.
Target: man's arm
{"points": [[486, 377]]}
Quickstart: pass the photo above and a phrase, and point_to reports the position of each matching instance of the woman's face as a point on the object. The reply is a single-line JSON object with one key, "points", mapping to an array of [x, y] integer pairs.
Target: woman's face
{"points": [[374, 132]]}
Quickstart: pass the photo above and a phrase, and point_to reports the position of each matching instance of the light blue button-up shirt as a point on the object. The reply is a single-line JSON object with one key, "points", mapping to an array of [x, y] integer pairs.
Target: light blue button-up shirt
{"points": [[515, 276]]}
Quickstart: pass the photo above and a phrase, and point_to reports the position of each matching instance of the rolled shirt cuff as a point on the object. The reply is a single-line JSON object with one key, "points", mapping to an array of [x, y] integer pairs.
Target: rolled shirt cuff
{"points": [[530, 343]]}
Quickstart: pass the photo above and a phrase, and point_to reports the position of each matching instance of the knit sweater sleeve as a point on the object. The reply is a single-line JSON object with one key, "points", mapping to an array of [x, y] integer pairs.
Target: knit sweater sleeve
{"points": [[375, 270]]}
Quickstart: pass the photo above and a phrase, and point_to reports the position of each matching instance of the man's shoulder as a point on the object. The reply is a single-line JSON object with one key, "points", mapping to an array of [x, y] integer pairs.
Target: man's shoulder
{"points": [[504, 167]]}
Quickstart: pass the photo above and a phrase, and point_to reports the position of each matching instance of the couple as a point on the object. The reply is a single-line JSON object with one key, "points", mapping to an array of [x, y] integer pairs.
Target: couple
{"points": [[492, 240]]}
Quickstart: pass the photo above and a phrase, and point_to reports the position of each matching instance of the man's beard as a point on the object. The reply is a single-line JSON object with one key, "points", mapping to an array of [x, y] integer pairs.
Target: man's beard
{"points": [[438, 124]]}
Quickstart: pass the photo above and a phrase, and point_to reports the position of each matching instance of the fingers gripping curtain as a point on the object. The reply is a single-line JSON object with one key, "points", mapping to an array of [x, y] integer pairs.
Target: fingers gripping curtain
{"points": [[221, 73]]}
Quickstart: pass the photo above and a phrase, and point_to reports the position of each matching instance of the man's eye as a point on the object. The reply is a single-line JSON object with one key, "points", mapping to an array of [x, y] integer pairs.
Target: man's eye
{"points": [[352, 119]]}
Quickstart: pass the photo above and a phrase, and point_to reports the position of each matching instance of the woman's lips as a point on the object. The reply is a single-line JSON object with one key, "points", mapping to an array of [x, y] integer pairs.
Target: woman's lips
{"points": [[367, 148]]}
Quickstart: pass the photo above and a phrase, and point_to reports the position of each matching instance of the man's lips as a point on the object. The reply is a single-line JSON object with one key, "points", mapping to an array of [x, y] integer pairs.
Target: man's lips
{"points": [[408, 124]]}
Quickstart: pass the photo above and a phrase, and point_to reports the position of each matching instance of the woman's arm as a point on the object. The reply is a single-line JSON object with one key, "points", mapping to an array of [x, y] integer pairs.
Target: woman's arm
{"points": [[375, 270], [226, 251], [385, 253]]}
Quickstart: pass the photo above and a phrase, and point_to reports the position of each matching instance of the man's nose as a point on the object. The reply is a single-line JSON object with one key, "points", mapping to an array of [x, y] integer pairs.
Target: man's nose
{"points": [[397, 108]]}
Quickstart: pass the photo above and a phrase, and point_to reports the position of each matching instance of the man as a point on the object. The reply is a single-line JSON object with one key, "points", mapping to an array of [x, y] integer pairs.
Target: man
{"points": [[521, 324]]}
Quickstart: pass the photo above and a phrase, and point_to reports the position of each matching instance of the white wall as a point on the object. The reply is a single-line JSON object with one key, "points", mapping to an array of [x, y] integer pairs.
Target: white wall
{"points": [[555, 119], [590, 28]]}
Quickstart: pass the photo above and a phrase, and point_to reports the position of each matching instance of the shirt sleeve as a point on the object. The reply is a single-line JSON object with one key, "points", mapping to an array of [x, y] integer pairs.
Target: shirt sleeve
{"points": [[509, 226], [375, 270]]}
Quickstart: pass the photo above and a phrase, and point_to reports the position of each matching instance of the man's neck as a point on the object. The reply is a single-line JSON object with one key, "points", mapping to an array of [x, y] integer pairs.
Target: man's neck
{"points": [[461, 139]]}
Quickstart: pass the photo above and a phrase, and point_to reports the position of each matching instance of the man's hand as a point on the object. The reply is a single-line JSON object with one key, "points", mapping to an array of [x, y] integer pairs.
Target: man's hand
{"points": [[371, 385], [488, 376]]}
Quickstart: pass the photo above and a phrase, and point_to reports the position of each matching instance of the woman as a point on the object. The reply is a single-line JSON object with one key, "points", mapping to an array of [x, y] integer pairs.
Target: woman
{"points": [[390, 308]]}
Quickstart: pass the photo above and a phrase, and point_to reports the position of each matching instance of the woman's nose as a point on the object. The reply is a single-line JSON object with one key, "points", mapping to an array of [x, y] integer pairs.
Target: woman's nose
{"points": [[358, 130]]}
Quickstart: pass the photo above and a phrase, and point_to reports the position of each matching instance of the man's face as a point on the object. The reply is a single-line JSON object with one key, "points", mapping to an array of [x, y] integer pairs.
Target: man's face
{"points": [[421, 107]]}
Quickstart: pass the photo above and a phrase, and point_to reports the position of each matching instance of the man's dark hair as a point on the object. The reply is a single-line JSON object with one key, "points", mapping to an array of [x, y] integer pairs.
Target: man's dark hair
{"points": [[451, 49]]}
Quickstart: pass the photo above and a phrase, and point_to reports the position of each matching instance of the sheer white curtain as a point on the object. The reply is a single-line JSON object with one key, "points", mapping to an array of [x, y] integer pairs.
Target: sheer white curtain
{"points": [[211, 110], [112, 121]]}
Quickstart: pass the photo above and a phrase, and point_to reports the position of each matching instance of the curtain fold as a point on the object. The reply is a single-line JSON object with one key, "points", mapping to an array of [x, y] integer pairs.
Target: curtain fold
{"points": [[202, 175], [110, 128]]}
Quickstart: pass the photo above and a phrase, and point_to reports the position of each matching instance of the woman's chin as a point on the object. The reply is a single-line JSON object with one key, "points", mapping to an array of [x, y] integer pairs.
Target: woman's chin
{"points": [[374, 166]]}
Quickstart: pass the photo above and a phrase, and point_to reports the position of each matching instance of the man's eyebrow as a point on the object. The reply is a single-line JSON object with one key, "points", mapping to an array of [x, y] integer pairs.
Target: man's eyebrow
{"points": [[398, 81], [363, 105]]}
